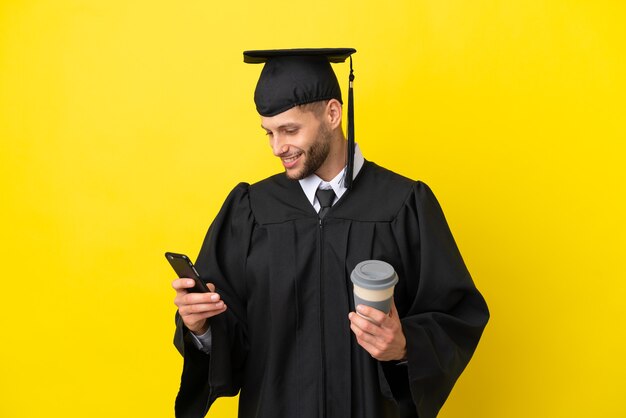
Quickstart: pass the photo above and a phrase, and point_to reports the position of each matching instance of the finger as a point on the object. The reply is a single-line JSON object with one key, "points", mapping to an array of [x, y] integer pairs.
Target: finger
{"points": [[191, 298], [200, 308], [392, 321], [380, 337], [362, 335], [192, 319], [376, 336], [184, 299], [374, 314], [365, 342], [183, 284], [364, 324], [394, 311]]}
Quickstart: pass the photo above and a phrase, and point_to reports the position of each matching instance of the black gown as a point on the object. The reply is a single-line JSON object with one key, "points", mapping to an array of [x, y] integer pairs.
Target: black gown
{"points": [[285, 342]]}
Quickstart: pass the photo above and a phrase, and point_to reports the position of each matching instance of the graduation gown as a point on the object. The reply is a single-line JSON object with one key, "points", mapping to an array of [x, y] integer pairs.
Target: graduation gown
{"points": [[285, 343]]}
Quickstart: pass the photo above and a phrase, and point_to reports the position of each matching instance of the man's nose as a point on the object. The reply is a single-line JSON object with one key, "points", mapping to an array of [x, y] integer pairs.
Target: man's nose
{"points": [[278, 147]]}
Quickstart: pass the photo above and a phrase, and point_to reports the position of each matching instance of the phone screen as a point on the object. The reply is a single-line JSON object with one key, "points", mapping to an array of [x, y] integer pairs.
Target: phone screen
{"points": [[184, 268]]}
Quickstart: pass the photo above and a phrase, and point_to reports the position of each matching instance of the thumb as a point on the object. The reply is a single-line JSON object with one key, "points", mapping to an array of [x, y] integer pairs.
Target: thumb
{"points": [[394, 311]]}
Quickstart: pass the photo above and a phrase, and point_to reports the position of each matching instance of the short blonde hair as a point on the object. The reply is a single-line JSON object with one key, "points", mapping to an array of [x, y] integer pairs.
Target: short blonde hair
{"points": [[315, 107]]}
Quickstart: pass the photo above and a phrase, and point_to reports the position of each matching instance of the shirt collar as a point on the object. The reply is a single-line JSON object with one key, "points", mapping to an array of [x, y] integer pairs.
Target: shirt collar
{"points": [[311, 183]]}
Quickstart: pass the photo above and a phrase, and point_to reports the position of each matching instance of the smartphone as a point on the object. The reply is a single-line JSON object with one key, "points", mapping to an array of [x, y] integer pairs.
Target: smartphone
{"points": [[185, 269]]}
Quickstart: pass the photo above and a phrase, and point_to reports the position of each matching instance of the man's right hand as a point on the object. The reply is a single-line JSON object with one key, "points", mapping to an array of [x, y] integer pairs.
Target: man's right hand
{"points": [[196, 308]]}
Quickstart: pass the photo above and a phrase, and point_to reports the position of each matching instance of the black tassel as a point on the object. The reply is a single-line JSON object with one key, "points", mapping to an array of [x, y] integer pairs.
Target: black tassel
{"points": [[350, 156]]}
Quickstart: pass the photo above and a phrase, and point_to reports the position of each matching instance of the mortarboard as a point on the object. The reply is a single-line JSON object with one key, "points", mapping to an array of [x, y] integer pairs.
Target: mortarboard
{"points": [[292, 77]]}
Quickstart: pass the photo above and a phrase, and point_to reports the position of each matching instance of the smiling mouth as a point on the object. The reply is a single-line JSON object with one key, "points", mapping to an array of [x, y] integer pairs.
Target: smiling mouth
{"points": [[291, 158]]}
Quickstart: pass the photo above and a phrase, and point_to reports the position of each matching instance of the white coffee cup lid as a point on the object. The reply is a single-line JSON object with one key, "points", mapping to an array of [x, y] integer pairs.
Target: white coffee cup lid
{"points": [[374, 275]]}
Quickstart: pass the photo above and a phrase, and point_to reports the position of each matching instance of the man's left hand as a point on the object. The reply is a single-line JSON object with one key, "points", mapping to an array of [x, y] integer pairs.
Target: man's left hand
{"points": [[381, 335]]}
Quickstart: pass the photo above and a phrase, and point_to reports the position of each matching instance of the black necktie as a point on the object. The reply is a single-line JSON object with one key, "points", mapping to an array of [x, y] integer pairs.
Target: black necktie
{"points": [[325, 197]]}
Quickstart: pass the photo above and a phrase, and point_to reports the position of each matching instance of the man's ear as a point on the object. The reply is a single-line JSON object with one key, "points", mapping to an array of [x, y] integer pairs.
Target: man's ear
{"points": [[333, 113]]}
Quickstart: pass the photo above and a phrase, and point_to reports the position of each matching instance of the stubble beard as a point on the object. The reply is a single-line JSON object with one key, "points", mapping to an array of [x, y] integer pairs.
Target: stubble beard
{"points": [[316, 155]]}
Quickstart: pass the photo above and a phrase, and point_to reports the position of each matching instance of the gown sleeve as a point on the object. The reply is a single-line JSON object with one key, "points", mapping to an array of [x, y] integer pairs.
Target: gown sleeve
{"points": [[222, 261], [442, 313]]}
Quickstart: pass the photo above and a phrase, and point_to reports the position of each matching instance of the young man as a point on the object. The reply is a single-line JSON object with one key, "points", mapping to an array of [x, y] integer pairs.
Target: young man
{"points": [[279, 325]]}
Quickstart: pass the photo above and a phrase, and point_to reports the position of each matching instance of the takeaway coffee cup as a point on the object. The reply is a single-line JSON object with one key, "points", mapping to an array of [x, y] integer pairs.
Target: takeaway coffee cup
{"points": [[373, 282]]}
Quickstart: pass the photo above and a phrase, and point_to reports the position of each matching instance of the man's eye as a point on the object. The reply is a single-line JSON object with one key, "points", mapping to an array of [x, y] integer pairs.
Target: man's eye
{"points": [[291, 131], [268, 133]]}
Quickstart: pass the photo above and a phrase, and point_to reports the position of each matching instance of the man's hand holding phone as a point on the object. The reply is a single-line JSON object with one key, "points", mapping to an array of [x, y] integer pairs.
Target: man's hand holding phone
{"points": [[196, 308], [196, 300]]}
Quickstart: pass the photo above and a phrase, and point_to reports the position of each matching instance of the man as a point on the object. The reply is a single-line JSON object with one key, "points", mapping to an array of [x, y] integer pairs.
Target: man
{"points": [[279, 325]]}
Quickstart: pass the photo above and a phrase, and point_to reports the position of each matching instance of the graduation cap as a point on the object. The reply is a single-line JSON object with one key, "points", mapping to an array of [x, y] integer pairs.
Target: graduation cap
{"points": [[293, 77]]}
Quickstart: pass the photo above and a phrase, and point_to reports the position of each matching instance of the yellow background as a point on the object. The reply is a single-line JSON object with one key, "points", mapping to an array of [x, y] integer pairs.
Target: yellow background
{"points": [[125, 123]]}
